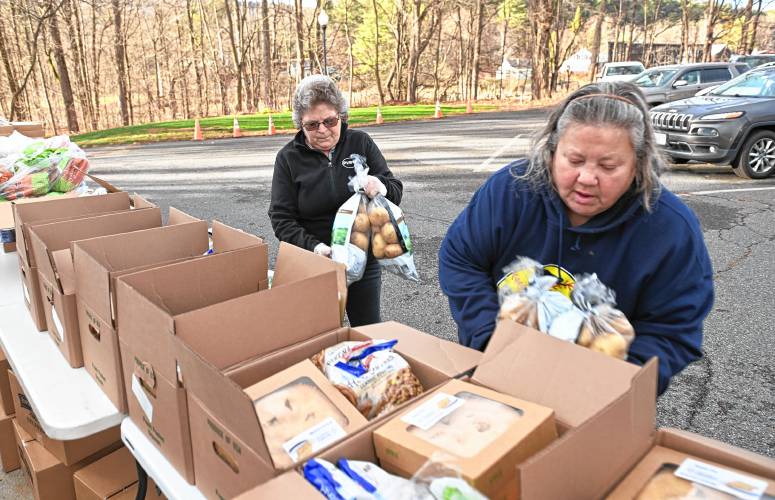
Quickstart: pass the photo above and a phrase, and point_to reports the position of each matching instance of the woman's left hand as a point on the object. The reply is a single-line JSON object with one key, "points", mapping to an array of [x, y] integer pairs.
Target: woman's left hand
{"points": [[374, 187]]}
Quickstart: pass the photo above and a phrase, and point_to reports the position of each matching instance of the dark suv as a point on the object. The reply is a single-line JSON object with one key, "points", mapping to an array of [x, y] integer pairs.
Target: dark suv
{"points": [[734, 123]]}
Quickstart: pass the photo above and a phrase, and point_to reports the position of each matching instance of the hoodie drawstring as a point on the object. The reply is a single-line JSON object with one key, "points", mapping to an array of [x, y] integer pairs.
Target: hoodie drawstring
{"points": [[577, 246]]}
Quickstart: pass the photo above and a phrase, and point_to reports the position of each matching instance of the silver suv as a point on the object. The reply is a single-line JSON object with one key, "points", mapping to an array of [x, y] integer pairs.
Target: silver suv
{"points": [[669, 83]]}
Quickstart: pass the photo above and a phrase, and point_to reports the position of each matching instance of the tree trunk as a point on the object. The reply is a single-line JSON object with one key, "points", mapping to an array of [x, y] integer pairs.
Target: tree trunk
{"points": [[197, 71], [742, 47], [17, 107], [437, 57], [541, 13], [752, 42], [504, 32], [479, 28], [64, 74], [618, 25], [685, 31], [376, 53], [266, 58], [298, 18], [596, 40], [120, 62]]}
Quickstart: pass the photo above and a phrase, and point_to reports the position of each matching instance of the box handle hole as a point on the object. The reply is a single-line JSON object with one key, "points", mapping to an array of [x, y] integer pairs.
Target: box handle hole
{"points": [[226, 457]]}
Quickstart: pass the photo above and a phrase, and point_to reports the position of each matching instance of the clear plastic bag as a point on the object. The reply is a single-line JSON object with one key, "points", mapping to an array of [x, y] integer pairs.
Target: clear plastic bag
{"points": [[52, 165], [391, 243], [536, 306], [440, 479], [369, 374], [351, 233], [604, 328]]}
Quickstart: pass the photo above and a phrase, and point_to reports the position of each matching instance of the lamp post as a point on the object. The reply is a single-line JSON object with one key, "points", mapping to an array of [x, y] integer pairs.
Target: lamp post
{"points": [[323, 22]]}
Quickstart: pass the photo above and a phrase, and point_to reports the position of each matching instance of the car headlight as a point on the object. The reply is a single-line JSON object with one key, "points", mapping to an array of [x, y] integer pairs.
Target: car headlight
{"points": [[723, 116]]}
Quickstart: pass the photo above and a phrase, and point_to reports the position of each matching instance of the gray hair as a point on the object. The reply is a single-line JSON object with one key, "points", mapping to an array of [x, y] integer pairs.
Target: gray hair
{"points": [[616, 104], [317, 89]]}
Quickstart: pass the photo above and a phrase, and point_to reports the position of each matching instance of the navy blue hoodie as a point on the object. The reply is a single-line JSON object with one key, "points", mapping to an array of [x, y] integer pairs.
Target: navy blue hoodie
{"points": [[656, 262]]}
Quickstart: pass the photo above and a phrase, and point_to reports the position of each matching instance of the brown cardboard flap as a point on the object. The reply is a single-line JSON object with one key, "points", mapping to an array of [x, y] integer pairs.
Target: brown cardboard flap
{"points": [[140, 202], [451, 358], [50, 237], [148, 300], [259, 323], [281, 487], [227, 238], [179, 217], [96, 257], [709, 449], [572, 380], [59, 208], [63, 267], [294, 263]]}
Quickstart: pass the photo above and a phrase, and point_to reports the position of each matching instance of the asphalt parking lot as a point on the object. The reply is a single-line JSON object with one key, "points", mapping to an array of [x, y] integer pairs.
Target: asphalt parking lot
{"points": [[729, 395]]}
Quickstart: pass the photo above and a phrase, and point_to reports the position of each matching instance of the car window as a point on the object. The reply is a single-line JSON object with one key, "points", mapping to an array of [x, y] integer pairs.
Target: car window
{"points": [[742, 68], [751, 84], [715, 75], [623, 70], [654, 77], [691, 77]]}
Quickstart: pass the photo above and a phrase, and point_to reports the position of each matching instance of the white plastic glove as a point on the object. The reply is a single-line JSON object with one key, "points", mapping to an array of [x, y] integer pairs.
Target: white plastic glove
{"points": [[374, 186], [322, 249]]}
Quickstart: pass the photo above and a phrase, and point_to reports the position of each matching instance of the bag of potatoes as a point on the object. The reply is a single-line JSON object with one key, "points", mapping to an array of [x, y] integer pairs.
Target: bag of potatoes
{"points": [[535, 306], [352, 231], [390, 241], [600, 326]]}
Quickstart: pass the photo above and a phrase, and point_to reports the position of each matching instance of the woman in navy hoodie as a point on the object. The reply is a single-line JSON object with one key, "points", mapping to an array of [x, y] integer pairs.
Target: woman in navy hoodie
{"points": [[588, 201]]}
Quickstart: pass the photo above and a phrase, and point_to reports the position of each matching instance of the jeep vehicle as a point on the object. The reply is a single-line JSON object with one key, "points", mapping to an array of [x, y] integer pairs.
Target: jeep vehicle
{"points": [[733, 124], [663, 84]]}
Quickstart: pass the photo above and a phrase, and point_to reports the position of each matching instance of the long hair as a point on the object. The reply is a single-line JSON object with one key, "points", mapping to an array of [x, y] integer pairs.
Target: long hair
{"points": [[614, 104]]}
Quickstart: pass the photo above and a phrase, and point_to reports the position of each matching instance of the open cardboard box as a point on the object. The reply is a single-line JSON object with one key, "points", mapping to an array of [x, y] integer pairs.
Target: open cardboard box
{"points": [[9, 455], [67, 452], [671, 447], [222, 415], [51, 479], [113, 477], [6, 398], [150, 305], [7, 231], [54, 210], [100, 261], [51, 247], [280, 487]]}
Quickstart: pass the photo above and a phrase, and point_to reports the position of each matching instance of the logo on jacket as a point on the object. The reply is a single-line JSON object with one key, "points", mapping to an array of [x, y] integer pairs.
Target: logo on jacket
{"points": [[519, 280], [349, 162]]}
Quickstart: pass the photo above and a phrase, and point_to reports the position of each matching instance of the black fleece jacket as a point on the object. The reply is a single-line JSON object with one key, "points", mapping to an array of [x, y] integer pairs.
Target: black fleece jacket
{"points": [[308, 188]]}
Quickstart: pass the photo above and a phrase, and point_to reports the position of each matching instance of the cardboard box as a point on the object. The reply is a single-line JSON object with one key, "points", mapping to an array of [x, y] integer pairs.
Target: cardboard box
{"points": [[486, 435], [287, 433], [55, 210], [50, 478], [68, 452], [30, 129], [9, 455], [150, 305], [605, 409], [671, 448], [280, 487], [98, 264], [113, 477], [6, 398], [219, 410], [51, 248]]}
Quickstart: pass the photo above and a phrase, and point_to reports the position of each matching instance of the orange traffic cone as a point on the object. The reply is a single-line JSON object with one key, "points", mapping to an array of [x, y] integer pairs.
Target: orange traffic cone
{"points": [[197, 131], [438, 113], [271, 129], [469, 107], [380, 120], [236, 132]]}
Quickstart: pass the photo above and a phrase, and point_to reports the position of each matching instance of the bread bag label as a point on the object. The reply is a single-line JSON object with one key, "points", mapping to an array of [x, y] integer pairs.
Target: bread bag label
{"points": [[726, 481], [314, 439], [429, 413]]}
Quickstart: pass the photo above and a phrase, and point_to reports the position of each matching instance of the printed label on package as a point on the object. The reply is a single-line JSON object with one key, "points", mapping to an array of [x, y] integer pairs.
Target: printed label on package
{"points": [[57, 324], [314, 439], [142, 398], [429, 413], [727, 481]]}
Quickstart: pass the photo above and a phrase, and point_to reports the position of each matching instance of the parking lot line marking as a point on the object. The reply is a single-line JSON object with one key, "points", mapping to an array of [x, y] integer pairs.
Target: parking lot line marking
{"points": [[717, 191], [486, 163]]}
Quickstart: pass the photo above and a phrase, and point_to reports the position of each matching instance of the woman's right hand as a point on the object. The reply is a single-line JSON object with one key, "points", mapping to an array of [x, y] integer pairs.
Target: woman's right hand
{"points": [[322, 249]]}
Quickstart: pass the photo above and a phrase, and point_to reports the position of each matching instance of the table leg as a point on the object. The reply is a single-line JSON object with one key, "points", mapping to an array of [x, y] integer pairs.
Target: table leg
{"points": [[142, 481]]}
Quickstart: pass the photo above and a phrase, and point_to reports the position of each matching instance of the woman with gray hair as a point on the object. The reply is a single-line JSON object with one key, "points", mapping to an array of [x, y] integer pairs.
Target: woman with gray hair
{"points": [[588, 201], [311, 180]]}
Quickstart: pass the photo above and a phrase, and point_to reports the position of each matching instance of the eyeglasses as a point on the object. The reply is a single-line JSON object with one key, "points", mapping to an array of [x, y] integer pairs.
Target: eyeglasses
{"points": [[329, 122]]}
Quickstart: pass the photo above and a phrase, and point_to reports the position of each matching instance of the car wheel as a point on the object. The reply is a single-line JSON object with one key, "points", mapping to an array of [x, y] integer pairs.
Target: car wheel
{"points": [[757, 157]]}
